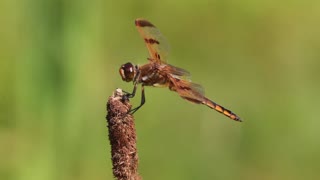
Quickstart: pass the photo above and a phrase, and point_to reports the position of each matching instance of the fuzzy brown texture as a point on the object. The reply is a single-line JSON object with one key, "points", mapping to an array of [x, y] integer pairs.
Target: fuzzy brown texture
{"points": [[122, 136]]}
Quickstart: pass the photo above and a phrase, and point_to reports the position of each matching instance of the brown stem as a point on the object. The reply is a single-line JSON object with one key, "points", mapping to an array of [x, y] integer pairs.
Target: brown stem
{"points": [[122, 136]]}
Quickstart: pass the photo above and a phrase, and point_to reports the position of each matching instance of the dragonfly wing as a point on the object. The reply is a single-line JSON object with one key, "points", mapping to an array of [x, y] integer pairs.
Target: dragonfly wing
{"points": [[187, 90], [176, 72], [195, 93], [156, 43]]}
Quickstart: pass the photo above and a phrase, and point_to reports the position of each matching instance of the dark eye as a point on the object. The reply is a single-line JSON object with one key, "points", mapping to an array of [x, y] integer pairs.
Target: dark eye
{"points": [[127, 72]]}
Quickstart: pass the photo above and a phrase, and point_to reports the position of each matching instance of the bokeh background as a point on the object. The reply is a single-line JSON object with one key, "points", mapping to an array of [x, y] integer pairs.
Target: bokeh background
{"points": [[59, 62]]}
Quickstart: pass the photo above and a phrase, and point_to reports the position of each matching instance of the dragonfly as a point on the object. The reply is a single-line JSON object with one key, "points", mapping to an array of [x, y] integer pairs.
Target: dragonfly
{"points": [[158, 73]]}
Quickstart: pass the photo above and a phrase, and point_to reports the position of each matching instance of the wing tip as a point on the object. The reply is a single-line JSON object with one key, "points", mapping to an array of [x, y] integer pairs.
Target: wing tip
{"points": [[143, 23]]}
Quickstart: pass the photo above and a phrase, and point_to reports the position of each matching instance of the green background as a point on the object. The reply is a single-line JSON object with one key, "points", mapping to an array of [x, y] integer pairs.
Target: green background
{"points": [[59, 62]]}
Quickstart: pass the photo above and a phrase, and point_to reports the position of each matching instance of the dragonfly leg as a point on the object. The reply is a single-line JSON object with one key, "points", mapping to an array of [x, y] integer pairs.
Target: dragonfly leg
{"points": [[143, 100], [131, 95]]}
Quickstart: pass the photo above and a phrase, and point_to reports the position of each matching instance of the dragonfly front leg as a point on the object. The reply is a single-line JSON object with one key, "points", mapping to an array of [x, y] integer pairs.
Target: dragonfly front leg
{"points": [[131, 95], [143, 100]]}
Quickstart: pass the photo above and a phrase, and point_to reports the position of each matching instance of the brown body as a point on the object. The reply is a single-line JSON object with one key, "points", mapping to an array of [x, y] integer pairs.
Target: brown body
{"points": [[169, 76], [160, 74]]}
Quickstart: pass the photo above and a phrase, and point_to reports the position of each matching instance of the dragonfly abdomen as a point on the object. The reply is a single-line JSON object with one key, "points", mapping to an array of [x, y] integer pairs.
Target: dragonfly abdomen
{"points": [[221, 109]]}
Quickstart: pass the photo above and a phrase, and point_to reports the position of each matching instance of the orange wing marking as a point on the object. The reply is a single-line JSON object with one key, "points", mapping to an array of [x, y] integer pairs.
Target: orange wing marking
{"points": [[156, 43]]}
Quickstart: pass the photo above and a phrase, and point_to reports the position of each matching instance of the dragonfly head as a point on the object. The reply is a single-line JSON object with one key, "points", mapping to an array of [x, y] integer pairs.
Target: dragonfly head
{"points": [[127, 72]]}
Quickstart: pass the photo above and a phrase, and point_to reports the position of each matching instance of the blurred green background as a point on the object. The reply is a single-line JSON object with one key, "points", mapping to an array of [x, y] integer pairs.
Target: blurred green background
{"points": [[59, 64]]}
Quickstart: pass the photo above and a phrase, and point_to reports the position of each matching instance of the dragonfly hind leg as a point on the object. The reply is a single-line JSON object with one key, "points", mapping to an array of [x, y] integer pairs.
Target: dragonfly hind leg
{"points": [[143, 100]]}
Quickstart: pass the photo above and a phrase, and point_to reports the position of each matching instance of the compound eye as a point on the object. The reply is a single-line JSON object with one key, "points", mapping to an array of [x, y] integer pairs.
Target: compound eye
{"points": [[127, 72]]}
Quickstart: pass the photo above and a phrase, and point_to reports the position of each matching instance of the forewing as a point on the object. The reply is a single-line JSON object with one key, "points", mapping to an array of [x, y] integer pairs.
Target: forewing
{"points": [[156, 43], [176, 72]]}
